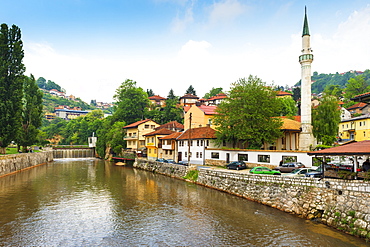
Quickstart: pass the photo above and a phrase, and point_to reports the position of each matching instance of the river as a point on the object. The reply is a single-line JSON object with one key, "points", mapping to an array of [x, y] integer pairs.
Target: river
{"points": [[89, 202]]}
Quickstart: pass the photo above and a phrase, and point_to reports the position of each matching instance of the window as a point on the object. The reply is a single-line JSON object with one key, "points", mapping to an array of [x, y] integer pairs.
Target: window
{"points": [[197, 154], [170, 152], [200, 154], [224, 143], [207, 143], [215, 155], [166, 152], [264, 158], [129, 134], [360, 123], [242, 157], [155, 151], [197, 144], [150, 151], [289, 159], [201, 142], [146, 126], [364, 134], [186, 154], [152, 126]]}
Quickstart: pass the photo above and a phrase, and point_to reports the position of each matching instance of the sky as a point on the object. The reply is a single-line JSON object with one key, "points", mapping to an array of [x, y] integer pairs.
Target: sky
{"points": [[89, 47]]}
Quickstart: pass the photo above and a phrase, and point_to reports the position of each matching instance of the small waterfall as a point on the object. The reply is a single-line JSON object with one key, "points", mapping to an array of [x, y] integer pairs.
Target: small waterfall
{"points": [[73, 153]]}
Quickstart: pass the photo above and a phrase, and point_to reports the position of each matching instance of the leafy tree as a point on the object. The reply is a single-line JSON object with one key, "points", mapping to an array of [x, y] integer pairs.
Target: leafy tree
{"points": [[334, 90], [356, 86], [52, 85], [297, 93], [132, 102], [31, 114], [110, 137], [213, 92], [288, 106], [150, 92], [41, 82], [171, 95], [326, 119], [248, 115], [191, 90], [11, 84]]}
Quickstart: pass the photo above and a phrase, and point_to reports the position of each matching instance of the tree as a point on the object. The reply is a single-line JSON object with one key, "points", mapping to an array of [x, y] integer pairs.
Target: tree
{"points": [[41, 82], [248, 115], [356, 86], [150, 92], [326, 119], [11, 84], [171, 95], [213, 92], [110, 137], [288, 106], [31, 114], [334, 90], [191, 90], [297, 94], [132, 102]]}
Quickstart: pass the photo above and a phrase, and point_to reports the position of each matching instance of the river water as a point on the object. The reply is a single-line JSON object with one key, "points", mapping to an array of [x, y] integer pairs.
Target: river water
{"points": [[88, 202]]}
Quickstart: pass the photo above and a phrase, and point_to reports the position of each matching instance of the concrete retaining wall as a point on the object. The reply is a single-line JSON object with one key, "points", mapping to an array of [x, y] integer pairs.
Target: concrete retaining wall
{"points": [[16, 162], [342, 204]]}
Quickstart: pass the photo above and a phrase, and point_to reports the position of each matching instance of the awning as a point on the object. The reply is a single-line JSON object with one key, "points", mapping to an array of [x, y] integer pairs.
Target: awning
{"points": [[353, 148]]}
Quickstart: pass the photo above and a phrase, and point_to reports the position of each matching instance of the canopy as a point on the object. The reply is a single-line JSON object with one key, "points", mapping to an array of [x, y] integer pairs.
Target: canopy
{"points": [[352, 148]]}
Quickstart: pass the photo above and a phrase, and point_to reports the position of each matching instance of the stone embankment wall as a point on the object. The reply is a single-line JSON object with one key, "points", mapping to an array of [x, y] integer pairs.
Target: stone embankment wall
{"points": [[342, 204], [16, 162]]}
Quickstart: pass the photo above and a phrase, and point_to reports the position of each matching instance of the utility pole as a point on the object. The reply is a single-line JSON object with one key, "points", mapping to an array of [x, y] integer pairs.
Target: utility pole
{"points": [[189, 137]]}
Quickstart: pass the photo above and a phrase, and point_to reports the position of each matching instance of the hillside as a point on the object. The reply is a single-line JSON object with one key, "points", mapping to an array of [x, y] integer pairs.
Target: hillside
{"points": [[321, 81]]}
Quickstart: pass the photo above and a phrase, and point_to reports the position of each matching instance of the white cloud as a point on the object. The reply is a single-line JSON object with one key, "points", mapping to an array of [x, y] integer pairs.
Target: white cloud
{"points": [[180, 23], [225, 11]]}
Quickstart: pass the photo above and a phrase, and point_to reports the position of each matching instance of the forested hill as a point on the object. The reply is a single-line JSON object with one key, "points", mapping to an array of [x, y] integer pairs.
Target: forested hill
{"points": [[50, 101], [321, 81]]}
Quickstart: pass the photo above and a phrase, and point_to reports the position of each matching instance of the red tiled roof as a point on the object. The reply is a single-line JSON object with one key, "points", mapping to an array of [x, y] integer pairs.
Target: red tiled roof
{"points": [[171, 136], [296, 118], [160, 132], [136, 123], [289, 124], [208, 110], [189, 96], [198, 133], [354, 148], [218, 96], [282, 93], [358, 105], [156, 97], [172, 124]]}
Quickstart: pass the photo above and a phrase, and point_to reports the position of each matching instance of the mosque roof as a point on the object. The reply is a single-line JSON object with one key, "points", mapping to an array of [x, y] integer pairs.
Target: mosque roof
{"points": [[306, 31]]}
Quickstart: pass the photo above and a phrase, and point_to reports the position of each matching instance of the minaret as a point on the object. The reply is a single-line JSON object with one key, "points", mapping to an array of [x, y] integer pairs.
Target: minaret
{"points": [[306, 137]]}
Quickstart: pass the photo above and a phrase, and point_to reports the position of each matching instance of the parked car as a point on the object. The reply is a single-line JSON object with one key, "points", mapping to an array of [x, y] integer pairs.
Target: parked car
{"points": [[263, 170], [315, 174], [236, 165], [289, 167], [160, 160], [170, 161], [183, 162], [300, 172]]}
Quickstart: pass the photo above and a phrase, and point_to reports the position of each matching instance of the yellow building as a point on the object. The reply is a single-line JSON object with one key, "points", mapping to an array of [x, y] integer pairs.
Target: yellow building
{"points": [[153, 143], [357, 128], [201, 116], [135, 134]]}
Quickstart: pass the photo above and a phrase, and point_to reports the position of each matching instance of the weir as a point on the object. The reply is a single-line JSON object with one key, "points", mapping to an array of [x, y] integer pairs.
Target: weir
{"points": [[61, 153]]}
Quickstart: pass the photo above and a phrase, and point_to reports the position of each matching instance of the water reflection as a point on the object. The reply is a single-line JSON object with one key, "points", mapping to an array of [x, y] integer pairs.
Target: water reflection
{"points": [[90, 202]]}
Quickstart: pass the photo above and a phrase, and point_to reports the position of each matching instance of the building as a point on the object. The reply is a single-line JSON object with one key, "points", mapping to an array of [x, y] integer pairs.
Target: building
{"points": [[306, 136], [201, 116], [216, 100], [153, 143], [69, 114], [157, 101], [188, 100], [135, 135], [357, 128], [359, 108], [173, 125], [169, 146]]}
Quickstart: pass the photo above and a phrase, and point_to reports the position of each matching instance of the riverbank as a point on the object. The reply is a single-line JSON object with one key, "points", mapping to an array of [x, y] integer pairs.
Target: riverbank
{"points": [[341, 204], [12, 163]]}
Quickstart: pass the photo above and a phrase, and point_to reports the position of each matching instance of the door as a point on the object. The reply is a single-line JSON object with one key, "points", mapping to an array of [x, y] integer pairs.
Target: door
{"points": [[179, 157], [227, 158]]}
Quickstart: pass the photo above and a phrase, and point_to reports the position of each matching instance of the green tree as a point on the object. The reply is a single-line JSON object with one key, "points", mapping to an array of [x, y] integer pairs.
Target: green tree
{"points": [[213, 92], [296, 94], [11, 84], [132, 102], [191, 90], [171, 95], [110, 138], [41, 82], [334, 90], [31, 114], [248, 115], [288, 106], [326, 119], [356, 86], [150, 92]]}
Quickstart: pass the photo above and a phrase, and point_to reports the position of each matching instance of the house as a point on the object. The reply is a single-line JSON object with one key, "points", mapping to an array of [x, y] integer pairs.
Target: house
{"points": [[157, 100], [135, 135], [153, 143], [283, 94], [357, 128], [192, 144], [188, 100], [169, 146], [290, 140], [201, 116], [173, 125], [216, 100], [359, 108], [67, 114], [50, 116]]}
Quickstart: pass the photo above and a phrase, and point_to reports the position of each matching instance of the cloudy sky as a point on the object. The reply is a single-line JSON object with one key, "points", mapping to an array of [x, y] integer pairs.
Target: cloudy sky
{"points": [[90, 47]]}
